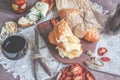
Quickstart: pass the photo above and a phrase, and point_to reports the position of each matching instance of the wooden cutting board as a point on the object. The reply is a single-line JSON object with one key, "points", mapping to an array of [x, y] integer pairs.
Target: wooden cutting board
{"points": [[46, 27]]}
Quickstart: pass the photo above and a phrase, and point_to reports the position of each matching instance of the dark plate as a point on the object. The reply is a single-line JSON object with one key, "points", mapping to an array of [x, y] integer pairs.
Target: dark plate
{"points": [[46, 27]]}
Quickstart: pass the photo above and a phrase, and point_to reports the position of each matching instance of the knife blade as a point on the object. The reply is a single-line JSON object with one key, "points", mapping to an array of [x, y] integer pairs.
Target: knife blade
{"points": [[36, 47], [37, 55]]}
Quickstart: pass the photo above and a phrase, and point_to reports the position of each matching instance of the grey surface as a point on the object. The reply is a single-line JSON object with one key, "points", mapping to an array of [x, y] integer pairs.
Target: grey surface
{"points": [[7, 14]]}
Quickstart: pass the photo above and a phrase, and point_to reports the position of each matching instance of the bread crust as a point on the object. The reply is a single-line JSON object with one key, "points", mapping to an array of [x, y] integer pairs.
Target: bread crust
{"points": [[51, 38], [81, 18], [68, 12], [67, 43], [93, 35]]}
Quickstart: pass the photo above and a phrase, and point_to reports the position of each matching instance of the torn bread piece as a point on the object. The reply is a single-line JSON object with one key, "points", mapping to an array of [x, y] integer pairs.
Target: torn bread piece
{"points": [[67, 43], [81, 19]]}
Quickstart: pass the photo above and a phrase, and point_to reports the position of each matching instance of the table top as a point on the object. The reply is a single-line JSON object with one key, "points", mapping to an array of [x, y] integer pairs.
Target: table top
{"points": [[98, 75]]}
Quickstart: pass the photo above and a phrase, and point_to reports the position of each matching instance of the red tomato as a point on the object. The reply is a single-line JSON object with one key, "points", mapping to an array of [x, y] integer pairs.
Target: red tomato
{"points": [[73, 72], [68, 78], [89, 77], [105, 59], [20, 10], [65, 70], [62, 77], [54, 22], [69, 74], [20, 2], [78, 77], [79, 72], [102, 51], [76, 69]]}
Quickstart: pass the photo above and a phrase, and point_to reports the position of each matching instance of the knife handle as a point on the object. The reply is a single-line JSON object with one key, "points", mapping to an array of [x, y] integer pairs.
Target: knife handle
{"points": [[44, 66], [35, 68]]}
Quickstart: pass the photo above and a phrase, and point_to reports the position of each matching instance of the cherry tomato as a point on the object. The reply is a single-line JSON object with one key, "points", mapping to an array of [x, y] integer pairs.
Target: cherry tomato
{"points": [[78, 77], [19, 6], [105, 59], [54, 22], [20, 10], [102, 51], [20, 2], [89, 76], [76, 69], [68, 78]]}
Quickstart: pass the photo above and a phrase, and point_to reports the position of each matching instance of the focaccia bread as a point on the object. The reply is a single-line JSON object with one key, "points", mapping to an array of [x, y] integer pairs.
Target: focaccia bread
{"points": [[67, 43]]}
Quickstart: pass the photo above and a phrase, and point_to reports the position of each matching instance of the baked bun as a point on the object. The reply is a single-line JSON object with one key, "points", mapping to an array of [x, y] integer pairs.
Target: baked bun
{"points": [[93, 35], [67, 43], [73, 16], [81, 18], [51, 38]]}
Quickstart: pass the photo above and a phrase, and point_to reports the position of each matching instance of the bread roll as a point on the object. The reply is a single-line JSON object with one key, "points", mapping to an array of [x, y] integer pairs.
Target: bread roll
{"points": [[80, 19], [93, 35], [67, 43]]}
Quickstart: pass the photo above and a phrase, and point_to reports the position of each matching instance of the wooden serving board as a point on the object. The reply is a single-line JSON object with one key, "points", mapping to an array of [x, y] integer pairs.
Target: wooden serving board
{"points": [[46, 27]]}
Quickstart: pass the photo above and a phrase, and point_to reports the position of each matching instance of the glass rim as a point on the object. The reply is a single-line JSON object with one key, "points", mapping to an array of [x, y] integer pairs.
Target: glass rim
{"points": [[21, 36]]}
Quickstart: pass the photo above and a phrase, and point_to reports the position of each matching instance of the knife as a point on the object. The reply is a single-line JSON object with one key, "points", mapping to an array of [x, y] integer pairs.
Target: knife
{"points": [[37, 57]]}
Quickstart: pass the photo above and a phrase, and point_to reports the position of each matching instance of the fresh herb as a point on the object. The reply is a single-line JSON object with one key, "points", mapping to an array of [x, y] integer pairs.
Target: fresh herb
{"points": [[40, 16]]}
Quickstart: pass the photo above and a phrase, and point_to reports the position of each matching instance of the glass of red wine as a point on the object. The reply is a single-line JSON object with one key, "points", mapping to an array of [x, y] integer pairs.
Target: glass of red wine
{"points": [[14, 47]]}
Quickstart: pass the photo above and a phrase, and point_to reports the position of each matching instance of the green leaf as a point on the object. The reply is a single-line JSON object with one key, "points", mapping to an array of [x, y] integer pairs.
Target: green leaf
{"points": [[40, 16]]}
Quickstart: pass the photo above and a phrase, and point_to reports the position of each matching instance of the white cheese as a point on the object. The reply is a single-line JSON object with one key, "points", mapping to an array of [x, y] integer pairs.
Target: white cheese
{"points": [[35, 10], [23, 20], [42, 7], [23, 6], [32, 16]]}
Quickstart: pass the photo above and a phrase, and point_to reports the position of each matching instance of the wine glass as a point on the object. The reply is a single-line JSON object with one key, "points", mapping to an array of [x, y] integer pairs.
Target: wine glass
{"points": [[14, 47]]}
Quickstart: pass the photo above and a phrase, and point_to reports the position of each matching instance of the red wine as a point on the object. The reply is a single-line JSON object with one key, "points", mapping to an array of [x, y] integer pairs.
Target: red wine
{"points": [[13, 44]]}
